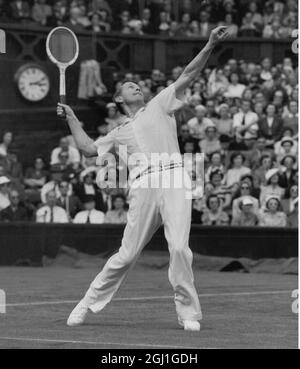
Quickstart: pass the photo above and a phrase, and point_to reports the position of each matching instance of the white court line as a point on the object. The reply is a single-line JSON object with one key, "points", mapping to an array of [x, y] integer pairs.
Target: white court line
{"points": [[25, 339], [150, 298]]}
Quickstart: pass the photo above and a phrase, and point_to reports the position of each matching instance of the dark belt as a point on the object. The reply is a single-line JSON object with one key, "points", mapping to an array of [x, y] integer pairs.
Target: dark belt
{"points": [[159, 168]]}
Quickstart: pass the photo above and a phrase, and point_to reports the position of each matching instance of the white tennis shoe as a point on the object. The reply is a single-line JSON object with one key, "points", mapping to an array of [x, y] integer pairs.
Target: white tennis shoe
{"points": [[191, 325], [78, 315]]}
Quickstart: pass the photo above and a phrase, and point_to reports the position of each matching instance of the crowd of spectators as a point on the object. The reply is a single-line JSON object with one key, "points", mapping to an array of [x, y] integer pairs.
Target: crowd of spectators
{"points": [[242, 116], [188, 18]]}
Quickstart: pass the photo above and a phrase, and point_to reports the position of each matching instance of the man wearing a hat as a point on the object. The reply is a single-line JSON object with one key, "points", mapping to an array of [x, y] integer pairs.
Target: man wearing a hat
{"points": [[90, 215], [4, 192], [247, 217]]}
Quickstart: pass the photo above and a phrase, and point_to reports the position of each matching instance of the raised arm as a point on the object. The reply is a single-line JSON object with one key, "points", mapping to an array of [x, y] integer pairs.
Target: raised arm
{"points": [[84, 143], [192, 71]]}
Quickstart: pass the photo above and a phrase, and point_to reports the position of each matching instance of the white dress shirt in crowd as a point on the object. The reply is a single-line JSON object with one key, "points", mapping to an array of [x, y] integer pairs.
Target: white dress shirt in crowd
{"points": [[89, 217], [235, 91], [241, 118], [51, 215], [74, 155], [4, 201]]}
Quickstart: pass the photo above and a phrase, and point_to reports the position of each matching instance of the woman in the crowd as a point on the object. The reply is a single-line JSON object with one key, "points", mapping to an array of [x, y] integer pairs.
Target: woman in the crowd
{"points": [[237, 170], [223, 193], [215, 164], [214, 214], [270, 215], [225, 122], [266, 164], [118, 214], [272, 186]]}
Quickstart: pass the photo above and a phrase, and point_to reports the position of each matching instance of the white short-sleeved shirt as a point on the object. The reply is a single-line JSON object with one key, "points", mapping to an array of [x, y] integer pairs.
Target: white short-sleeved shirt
{"points": [[152, 130]]}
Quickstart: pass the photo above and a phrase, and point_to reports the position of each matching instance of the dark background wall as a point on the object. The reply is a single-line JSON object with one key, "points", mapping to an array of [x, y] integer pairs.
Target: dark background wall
{"points": [[31, 241]]}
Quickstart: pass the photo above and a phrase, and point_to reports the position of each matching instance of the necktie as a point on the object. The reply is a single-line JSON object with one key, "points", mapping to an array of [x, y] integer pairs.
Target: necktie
{"points": [[51, 215], [88, 220], [244, 120]]}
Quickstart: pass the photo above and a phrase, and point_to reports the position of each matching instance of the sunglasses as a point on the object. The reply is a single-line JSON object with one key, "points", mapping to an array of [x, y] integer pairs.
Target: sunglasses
{"points": [[245, 188]]}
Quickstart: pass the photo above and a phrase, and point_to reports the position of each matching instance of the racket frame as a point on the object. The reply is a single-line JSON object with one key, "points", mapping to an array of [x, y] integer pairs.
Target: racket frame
{"points": [[62, 66]]}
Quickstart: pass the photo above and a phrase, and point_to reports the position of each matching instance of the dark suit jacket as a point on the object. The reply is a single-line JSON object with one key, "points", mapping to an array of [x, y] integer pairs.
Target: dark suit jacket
{"points": [[74, 205], [8, 215], [100, 204], [271, 133]]}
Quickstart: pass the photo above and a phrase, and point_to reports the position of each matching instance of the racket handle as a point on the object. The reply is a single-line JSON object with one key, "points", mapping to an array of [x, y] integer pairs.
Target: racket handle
{"points": [[62, 100]]}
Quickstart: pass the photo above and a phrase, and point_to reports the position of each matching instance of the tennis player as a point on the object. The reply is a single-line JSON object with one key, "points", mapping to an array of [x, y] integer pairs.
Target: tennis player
{"points": [[149, 129]]}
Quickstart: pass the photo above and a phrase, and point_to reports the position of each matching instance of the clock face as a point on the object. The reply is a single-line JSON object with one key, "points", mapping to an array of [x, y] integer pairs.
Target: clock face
{"points": [[33, 83]]}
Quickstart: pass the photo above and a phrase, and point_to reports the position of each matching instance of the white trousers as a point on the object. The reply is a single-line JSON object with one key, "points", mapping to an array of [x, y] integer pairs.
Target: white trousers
{"points": [[149, 208]]}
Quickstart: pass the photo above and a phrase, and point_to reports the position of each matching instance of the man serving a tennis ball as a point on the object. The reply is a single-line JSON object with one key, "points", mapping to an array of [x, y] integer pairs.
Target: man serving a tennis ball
{"points": [[149, 129]]}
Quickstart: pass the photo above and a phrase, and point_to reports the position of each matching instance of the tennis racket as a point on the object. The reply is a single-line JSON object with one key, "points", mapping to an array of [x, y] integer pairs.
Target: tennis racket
{"points": [[62, 49]]}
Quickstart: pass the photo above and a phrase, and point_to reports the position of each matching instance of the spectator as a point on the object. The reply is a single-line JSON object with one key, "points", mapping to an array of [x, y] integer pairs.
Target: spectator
{"points": [[248, 28], [118, 214], [237, 169], [147, 24], [219, 189], [288, 204], [35, 179], [233, 29], [198, 124], [247, 216], [288, 171], [205, 26], [211, 142], [286, 146], [4, 192], [245, 121], [114, 118], [245, 193], [292, 219], [224, 123], [193, 30], [259, 150], [99, 22], [290, 117], [6, 142], [87, 186], [271, 126], [67, 201], [74, 22], [235, 89], [214, 215], [270, 216], [19, 10], [59, 15], [52, 185], [90, 215], [41, 11], [164, 23], [15, 212], [184, 25], [64, 146], [215, 161], [272, 186], [51, 213]]}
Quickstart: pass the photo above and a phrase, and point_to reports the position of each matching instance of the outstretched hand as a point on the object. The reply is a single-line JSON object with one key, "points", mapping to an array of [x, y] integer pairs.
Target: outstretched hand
{"points": [[218, 34]]}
